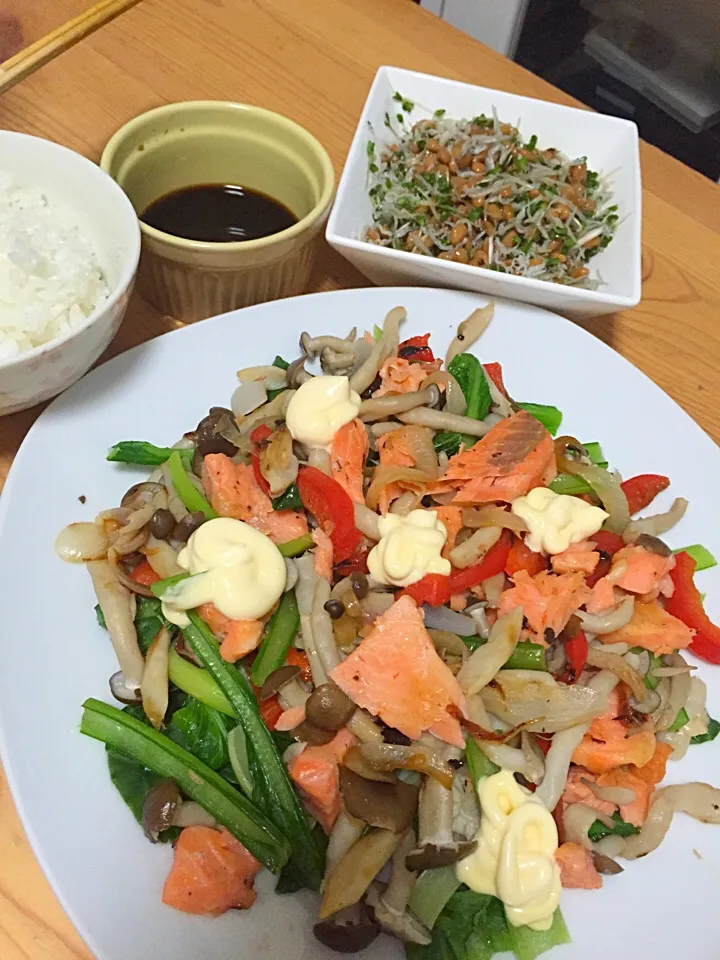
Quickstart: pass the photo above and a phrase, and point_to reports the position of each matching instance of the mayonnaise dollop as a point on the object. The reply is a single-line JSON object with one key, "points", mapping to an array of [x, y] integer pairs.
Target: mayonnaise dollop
{"points": [[409, 548], [515, 856], [233, 566], [319, 408], [556, 520]]}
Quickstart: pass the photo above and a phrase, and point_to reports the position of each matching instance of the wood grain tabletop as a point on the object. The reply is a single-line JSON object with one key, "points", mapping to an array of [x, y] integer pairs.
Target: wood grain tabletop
{"points": [[313, 60]]}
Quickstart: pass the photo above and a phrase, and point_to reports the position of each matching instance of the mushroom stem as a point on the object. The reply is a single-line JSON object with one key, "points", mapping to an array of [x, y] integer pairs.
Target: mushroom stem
{"points": [[435, 813], [397, 893], [117, 606]]}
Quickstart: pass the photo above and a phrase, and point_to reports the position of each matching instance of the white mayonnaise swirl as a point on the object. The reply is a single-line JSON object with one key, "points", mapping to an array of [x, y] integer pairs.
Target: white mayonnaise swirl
{"points": [[556, 520], [319, 408], [410, 547], [233, 566], [515, 855]]}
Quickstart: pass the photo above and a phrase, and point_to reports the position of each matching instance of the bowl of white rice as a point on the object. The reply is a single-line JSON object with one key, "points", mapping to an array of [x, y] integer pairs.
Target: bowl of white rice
{"points": [[69, 250]]}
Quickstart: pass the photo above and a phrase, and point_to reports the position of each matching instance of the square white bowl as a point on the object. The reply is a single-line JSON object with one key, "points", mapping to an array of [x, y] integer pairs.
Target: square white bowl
{"points": [[610, 144]]}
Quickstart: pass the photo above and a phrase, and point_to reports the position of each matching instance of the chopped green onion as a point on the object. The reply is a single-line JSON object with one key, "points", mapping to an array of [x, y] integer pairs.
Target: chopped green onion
{"points": [[704, 560], [186, 489], [278, 638], [273, 786], [549, 417], [293, 548], [712, 731], [144, 454], [158, 753]]}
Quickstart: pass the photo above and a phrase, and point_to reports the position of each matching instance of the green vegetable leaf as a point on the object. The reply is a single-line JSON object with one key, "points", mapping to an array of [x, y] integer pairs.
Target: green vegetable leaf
{"points": [[377, 333], [290, 500], [549, 417], [185, 489], [279, 362], [704, 560], [431, 892], [293, 548], [370, 148], [469, 373], [439, 114], [712, 731], [445, 442], [130, 736], [279, 635], [201, 731], [478, 764], [598, 830], [144, 454], [680, 720], [571, 485], [651, 681]]}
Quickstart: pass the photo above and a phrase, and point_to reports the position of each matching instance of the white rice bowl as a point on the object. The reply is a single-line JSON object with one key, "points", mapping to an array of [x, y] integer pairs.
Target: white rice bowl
{"points": [[50, 277]]}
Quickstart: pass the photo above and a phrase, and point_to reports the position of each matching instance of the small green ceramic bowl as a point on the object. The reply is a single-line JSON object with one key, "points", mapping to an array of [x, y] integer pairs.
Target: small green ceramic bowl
{"points": [[208, 141]]}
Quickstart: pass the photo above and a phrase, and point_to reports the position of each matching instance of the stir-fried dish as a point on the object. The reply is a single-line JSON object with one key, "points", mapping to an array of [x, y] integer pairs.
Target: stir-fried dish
{"points": [[382, 635], [473, 191]]}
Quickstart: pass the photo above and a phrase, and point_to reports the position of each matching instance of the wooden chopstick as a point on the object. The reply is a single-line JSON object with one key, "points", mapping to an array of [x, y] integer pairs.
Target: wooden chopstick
{"points": [[30, 59]]}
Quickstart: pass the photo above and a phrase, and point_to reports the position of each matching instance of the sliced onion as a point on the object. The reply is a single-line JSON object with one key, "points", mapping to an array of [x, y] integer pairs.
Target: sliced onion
{"points": [[278, 463], [698, 800], [493, 587], [616, 795], [621, 668], [652, 833], [405, 503], [658, 524], [385, 475], [248, 397], [493, 516], [154, 687], [80, 542], [605, 484], [375, 604], [469, 331], [443, 618], [273, 377], [471, 550], [485, 662], [611, 846], [161, 557], [610, 620], [418, 441], [679, 692], [522, 696]]}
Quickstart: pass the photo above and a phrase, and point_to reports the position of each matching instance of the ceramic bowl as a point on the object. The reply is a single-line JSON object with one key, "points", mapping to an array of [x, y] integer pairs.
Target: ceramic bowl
{"points": [[610, 144], [217, 142], [104, 214]]}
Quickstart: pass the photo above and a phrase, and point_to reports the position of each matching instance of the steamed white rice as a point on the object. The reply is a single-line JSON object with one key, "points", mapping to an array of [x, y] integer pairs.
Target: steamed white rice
{"points": [[50, 278]]}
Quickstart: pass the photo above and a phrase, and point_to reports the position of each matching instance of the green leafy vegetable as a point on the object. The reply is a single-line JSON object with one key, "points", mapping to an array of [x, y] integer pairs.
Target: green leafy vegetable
{"points": [[680, 720], [704, 560], [598, 830], [478, 764], [240, 760], [144, 454], [569, 484], [473, 926], [202, 731], [158, 753], [279, 635], [712, 731], [273, 789], [280, 363], [549, 417], [293, 548], [469, 373], [525, 656], [290, 500], [431, 892], [377, 333], [446, 442], [185, 489], [651, 681], [197, 683]]}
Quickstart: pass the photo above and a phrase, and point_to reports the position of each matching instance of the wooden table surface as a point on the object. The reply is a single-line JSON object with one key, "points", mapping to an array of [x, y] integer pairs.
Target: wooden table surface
{"points": [[313, 60]]}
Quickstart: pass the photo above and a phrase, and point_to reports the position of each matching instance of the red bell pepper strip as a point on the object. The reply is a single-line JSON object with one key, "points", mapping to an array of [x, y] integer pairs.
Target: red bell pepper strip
{"points": [[608, 542], [296, 658], [357, 563], [494, 371], [257, 472], [433, 589], [332, 508], [642, 490], [420, 352], [270, 711], [261, 433], [521, 557], [544, 743], [144, 574], [686, 604], [576, 651], [492, 563]]}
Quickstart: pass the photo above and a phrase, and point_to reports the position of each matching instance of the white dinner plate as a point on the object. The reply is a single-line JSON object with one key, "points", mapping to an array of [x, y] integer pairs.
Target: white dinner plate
{"points": [[106, 874]]}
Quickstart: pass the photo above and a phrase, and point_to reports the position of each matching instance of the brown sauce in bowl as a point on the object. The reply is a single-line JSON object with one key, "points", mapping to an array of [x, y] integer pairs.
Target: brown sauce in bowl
{"points": [[218, 213]]}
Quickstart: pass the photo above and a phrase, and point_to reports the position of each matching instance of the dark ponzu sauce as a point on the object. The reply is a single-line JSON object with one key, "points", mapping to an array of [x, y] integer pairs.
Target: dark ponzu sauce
{"points": [[218, 213]]}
